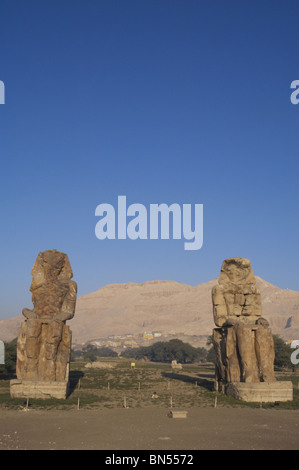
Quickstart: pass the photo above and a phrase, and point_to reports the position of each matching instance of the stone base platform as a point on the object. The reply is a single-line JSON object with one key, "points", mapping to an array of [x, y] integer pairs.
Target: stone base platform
{"points": [[38, 389], [261, 391]]}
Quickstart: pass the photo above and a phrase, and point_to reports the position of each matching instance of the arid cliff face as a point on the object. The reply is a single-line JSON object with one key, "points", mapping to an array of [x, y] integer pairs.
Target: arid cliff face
{"points": [[167, 307]]}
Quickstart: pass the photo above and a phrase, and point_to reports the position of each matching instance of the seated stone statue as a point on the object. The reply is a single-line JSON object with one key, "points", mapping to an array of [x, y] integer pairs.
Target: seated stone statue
{"points": [[44, 341], [243, 340]]}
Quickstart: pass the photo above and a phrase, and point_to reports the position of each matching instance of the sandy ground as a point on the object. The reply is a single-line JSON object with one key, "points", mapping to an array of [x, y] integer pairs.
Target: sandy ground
{"points": [[149, 429]]}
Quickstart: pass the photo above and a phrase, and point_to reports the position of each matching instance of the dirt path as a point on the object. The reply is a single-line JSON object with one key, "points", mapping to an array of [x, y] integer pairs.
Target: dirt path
{"points": [[149, 429]]}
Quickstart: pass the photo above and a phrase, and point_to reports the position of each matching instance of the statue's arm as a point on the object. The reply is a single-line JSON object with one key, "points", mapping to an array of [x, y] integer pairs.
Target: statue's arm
{"points": [[69, 304], [29, 314], [219, 306]]}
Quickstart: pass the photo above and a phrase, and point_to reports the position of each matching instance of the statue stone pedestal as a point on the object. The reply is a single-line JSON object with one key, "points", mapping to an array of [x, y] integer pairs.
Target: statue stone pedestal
{"points": [[266, 392], [38, 389]]}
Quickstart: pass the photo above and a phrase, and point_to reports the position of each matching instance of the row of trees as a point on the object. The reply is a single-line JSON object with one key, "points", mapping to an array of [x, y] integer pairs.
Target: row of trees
{"points": [[162, 351], [90, 353]]}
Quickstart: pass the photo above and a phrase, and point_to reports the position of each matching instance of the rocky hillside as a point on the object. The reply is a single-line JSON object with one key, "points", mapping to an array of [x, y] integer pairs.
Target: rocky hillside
{"points": [[165, 307]]}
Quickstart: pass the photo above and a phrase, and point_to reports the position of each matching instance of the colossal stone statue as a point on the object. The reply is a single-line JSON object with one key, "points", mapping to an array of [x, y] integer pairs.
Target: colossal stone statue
{"points": [[44, 341], [243, 340]]}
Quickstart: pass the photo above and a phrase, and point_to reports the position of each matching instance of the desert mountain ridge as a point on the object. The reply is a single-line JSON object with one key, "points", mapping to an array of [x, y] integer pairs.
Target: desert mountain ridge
{"points": [[167, 308]]}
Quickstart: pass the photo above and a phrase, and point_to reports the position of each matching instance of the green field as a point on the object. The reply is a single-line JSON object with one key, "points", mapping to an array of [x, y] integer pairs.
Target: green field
{"points": [[120, 386]]}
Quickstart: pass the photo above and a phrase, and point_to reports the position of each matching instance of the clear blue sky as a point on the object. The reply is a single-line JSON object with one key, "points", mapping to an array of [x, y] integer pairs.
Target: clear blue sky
{"points": [[162, 101]]}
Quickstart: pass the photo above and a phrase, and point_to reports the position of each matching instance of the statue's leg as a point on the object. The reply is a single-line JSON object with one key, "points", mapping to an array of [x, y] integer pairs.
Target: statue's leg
{"points": [[32, 348], [233, 366], [264, 346], [21, 367], [245, 342], [63, 355], [52, 338], [220, 371]]}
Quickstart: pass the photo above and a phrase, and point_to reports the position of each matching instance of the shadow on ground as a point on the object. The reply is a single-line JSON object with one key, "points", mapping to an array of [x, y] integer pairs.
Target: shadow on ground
{"points": [[206, 380], [74, 377], [7, 376]]}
